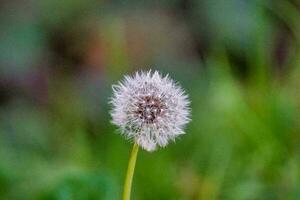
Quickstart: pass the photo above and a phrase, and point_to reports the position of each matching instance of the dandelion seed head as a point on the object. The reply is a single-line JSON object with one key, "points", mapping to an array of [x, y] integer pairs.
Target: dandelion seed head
{"points": [[150, 109]]}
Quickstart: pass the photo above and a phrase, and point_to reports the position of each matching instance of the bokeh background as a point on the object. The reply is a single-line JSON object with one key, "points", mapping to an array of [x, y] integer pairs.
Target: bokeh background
{"points": [[238, 60]]}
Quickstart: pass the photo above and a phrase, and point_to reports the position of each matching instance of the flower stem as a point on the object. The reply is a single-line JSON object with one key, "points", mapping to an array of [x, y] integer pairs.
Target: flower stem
{"points": [[130, 172]]}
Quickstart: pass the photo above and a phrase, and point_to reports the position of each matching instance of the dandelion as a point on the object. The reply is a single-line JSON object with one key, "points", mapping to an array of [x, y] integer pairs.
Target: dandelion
{"points": [[151, 110]]}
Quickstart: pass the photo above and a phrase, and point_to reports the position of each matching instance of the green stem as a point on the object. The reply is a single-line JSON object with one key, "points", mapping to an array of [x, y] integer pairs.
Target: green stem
{"points": [[130, 172]]}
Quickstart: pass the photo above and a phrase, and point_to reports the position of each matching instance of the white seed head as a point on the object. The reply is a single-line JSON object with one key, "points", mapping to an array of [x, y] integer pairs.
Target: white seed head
{"points": [[150, 109]]}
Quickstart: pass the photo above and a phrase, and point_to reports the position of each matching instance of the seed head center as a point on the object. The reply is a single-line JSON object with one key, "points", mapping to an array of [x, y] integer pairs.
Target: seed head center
{"points": [[149, 108]]}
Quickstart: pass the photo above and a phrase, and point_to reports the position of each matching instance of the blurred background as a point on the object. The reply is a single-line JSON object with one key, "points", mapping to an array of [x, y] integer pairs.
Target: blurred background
{"points": [[238, 60]]}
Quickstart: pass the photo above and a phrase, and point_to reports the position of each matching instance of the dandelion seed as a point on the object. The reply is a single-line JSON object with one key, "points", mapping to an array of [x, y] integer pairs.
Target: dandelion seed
{"points": [[150, 109]]}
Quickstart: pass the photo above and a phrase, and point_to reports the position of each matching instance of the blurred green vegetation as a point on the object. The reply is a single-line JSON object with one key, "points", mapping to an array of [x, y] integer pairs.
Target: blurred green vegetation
{"points": [[238, 60]]}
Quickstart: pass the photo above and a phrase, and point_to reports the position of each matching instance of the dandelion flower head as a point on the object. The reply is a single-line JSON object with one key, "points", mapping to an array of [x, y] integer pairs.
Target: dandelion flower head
{"points": [[150, 109]]}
